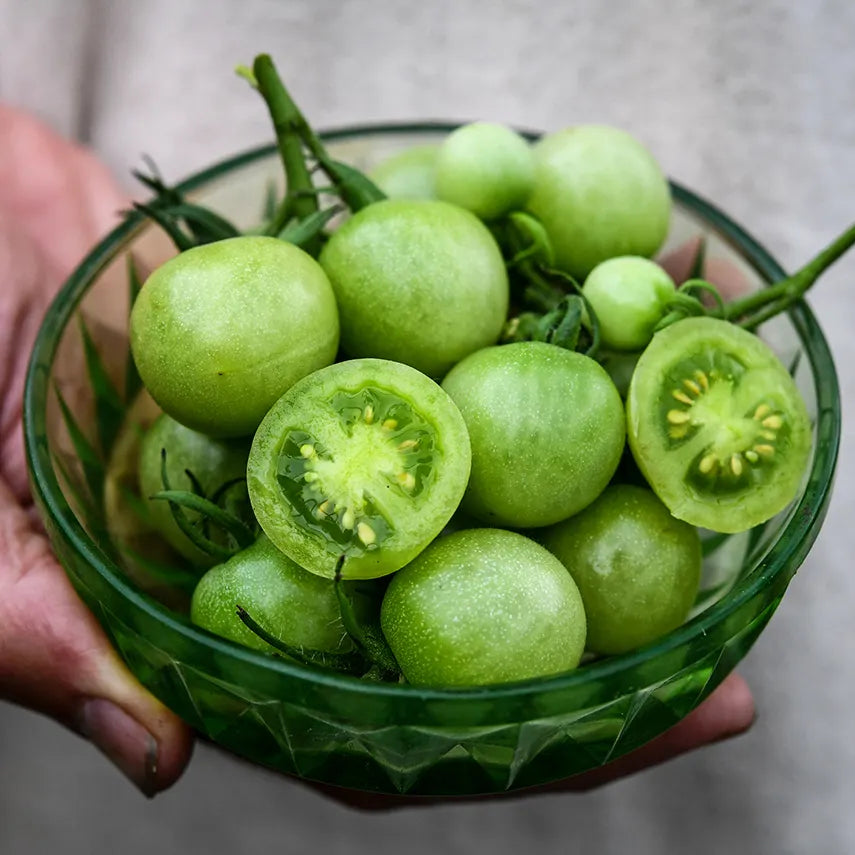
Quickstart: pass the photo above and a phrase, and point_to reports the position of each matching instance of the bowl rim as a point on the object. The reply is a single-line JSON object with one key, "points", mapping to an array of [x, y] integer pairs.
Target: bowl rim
{"points": [[797, 534]]}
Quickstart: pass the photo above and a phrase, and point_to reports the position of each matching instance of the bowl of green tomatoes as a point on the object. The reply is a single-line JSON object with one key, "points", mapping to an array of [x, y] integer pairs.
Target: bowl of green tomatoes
{"points": [[431, 459]]}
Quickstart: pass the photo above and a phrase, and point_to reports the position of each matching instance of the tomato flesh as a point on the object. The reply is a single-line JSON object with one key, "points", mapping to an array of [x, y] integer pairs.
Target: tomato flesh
{"points": [[717, 425]]}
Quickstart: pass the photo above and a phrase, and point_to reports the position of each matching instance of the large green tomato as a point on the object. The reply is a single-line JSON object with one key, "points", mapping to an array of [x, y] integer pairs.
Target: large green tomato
{"points": [[636, 566], [419, 282], [483, 606], [599, 193], [546, 427], [222, 330]]}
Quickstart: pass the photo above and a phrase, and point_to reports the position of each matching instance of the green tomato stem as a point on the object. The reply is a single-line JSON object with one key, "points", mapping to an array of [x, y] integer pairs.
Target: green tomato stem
{"points": [[355, 189], [322, 659], [300, 200], [755, 308]]}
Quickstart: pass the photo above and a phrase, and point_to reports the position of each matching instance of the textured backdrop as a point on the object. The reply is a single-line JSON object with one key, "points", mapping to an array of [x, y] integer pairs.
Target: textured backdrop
{"points": [[750, 103]]}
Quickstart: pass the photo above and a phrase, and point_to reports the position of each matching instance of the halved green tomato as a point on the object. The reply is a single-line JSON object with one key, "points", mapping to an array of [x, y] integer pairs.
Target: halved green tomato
{"points": [[366, 459], [717, 425]]}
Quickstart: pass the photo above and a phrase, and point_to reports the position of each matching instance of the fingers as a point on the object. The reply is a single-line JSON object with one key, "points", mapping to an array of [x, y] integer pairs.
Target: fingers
{"points": [[724, 273], [60, 196], [54, 658], [727, 712]]}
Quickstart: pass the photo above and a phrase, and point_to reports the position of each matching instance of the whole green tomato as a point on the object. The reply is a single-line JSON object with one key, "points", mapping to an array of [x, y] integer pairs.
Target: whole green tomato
{"points": [[547, 430], [297, 607], [486, 168], [212, 462], [599, 193], [637, 567], [409, 174], [629, 295], [417, 281], [222, 330], [483, 606]]}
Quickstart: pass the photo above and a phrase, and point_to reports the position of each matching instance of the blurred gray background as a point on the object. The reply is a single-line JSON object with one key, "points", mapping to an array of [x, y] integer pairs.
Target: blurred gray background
{"points": [[750, 103]]}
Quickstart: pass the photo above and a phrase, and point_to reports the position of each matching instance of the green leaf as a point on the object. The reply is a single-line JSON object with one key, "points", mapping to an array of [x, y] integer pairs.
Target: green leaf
{"points": [[697, 269], [174, 577], [109, 407], [302, 232], [164, 219], [133, 383], [366, 635], [271, 196], [356, 189], [90, 461], [92, 517], [206, 225], [323, 659]]}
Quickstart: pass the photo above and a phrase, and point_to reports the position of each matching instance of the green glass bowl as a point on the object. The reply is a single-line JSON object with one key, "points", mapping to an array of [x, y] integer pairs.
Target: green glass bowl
{"points": [[340, 730]]}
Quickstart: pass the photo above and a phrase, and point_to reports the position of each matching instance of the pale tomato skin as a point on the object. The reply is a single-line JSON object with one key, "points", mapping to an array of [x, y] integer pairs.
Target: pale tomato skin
{"points": [[486, 168], [637, 567], [480, 607], [599, 193], [629, 295], [220, 331], [213, 462], [409, 174], [547, 431], [290, 603], [417, 281]]}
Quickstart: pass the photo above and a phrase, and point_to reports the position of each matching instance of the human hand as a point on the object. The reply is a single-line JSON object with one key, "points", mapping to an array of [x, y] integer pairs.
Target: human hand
{"points": [[55, 202]]}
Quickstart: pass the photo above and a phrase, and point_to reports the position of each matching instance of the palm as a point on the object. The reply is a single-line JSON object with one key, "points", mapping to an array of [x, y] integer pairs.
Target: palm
{"points": [[55, 201]]}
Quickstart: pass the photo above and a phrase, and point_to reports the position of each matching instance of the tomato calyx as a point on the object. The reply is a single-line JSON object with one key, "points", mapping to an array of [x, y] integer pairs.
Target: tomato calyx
{"points": [[209, 511], [366, 634], [348, 663]]}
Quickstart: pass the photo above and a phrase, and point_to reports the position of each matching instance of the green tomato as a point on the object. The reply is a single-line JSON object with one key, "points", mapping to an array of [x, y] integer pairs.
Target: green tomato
{"points": [[408, 174], [546, 427], [418, 282], [220, 331], [637, 568], [366, 459], [717, 425], [620, 366], [486, 168], [599, 193], [297, 607], [213, 463], [480, 607], [629, 295]]}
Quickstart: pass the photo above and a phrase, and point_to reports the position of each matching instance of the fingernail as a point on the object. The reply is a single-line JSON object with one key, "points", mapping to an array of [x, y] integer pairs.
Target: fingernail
{"points": [[123, 740]]}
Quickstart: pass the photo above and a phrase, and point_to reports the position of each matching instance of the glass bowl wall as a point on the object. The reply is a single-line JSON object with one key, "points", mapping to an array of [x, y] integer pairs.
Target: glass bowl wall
{"points": [[389, 738]]}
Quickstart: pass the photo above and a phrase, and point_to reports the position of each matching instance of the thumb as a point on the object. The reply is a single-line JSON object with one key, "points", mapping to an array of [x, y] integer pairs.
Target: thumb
{"points": [[55, 659]]}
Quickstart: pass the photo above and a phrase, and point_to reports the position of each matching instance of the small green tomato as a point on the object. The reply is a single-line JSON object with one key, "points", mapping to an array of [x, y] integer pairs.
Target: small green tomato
{"points": [[486, 168], [629, 295]]}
